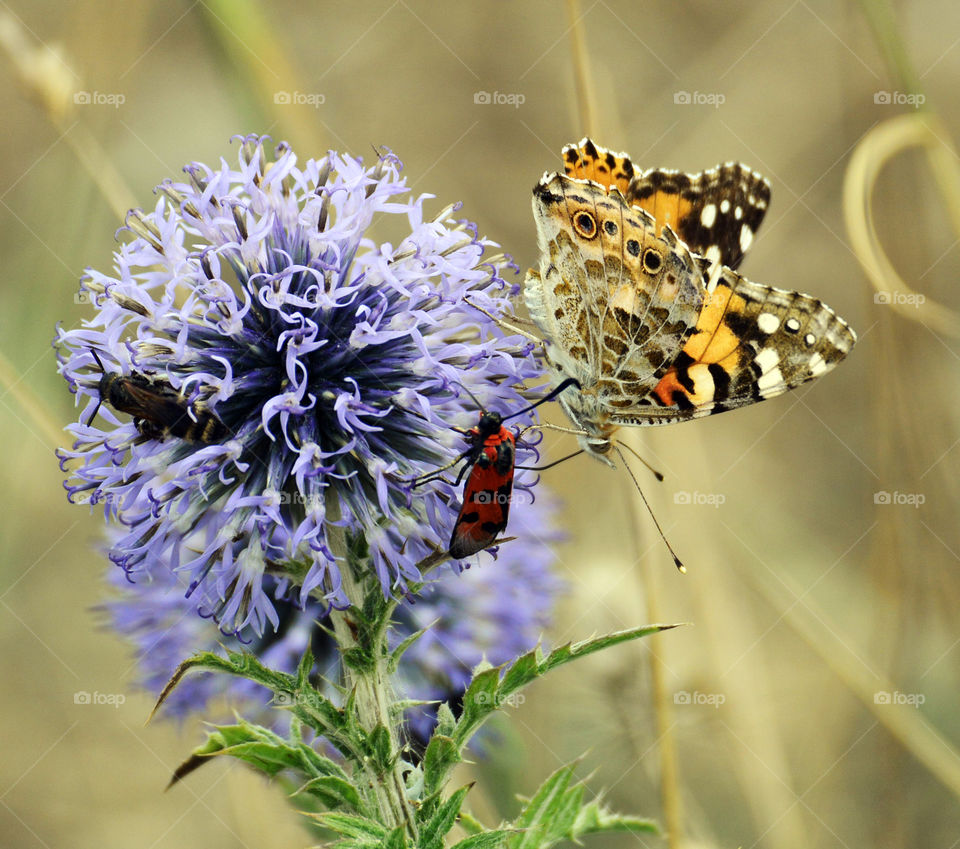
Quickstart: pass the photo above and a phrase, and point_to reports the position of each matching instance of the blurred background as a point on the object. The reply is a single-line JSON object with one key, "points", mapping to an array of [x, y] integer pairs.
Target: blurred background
{"points": [[813, 700]]}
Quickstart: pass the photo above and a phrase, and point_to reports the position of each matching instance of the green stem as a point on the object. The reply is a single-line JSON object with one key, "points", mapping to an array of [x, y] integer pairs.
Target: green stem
{"points": [[372, 694]]}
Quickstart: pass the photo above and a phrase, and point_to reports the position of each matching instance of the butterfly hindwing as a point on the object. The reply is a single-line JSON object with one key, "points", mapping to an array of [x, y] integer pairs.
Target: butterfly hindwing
{"points": [[716, 212], [752, 342]]}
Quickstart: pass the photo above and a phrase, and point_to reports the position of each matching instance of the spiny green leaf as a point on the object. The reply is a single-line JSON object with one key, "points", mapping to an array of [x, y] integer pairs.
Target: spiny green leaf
{"points": [[333, 791], [358, 658], [549, 815], [399, 651], [573, 651], [596, 819], [319, 764], [470, 824], [378, 748], [304, 668], [433, 832], [236, 663], [485, 840], [397, 839], [522, 671], [367, 831], [446, 721], [480, 700], [441, 755]]}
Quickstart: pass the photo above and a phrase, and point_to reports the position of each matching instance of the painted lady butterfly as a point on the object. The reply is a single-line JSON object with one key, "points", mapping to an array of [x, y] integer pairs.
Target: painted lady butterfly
{"points": [[638, 300]]}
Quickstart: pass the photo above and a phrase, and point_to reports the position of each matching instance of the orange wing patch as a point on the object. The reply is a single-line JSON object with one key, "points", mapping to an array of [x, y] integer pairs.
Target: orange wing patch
{"points": [[667, 208], [586, 161], [701, 372]]}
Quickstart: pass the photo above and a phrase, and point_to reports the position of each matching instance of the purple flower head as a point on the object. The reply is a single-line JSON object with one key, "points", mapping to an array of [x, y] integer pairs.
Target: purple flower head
{"points": [[496, 610], [288, 373]]}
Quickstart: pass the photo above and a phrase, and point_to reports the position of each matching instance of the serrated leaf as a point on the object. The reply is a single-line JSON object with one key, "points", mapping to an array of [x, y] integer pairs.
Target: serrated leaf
{"points": [[530, 666], [470, 824], [397, 839], [365, 830], [433, 832], [595, 819], [379, 749], [399, 651], [304, 668], [480, 699], [236, 663], [446, 721], [358, 658], [485, 840], [333, 791], [440, 757], [522, 671], [550, 814]]}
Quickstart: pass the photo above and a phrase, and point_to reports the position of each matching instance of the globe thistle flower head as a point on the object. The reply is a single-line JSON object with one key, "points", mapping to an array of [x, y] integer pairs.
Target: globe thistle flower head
{"points": [[495, 611], [288, 375]]}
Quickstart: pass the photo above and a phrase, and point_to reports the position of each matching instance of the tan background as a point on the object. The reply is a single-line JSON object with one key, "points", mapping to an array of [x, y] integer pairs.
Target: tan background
{"points": [[807, 598]]}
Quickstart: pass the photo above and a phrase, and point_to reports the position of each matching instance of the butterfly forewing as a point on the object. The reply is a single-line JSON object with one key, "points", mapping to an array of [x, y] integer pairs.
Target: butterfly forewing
{"points": [[618, 299]]}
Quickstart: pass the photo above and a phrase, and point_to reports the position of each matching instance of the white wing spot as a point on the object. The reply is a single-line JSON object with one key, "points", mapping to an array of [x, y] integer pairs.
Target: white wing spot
{"points": [[709, 215], [809, 338], [767, 322], [818, 365], [767, 360], [712, 253], [793, 325], [724, 206], [769, 382], [738, 213], [746, 237]]}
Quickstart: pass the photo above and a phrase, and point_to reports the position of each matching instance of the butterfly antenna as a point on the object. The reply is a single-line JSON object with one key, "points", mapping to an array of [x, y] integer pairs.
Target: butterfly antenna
{"points": [[472, 396], [676, 560], [570, 381], [656, 474], [550, 465]]}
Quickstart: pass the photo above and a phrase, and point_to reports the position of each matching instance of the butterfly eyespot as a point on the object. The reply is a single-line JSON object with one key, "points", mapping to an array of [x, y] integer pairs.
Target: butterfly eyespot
{"points": [[652, 261], [585, 224], [610, 228]]}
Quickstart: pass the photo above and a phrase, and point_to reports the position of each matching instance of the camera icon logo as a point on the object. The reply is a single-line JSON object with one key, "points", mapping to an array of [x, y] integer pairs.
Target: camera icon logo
{"points": [[482, 98], [282, 98], [81, 697], [82, 98], [882, 97]]}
